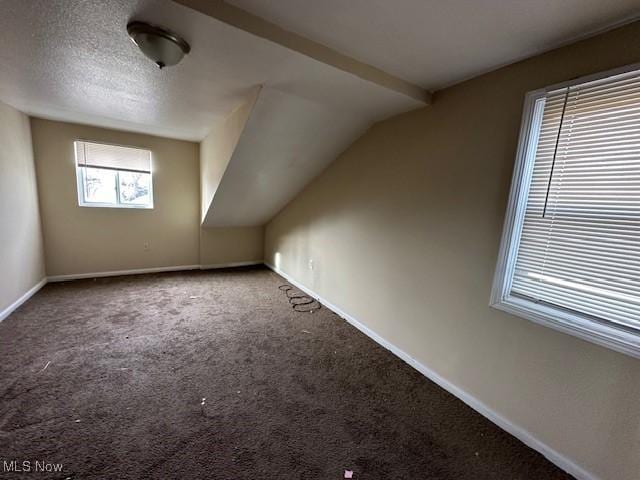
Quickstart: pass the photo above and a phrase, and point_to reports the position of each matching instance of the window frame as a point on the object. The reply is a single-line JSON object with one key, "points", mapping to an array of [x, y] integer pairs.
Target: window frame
{"points": [[579, 325], [81, 171]]}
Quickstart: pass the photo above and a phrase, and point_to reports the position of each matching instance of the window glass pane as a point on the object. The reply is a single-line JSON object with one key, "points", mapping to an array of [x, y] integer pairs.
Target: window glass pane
{"points": [[99, 185], [135, 188]]}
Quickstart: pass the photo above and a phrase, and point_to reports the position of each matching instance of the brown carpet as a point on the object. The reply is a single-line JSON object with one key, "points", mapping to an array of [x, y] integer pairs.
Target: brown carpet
{"points": [[288, 395]]}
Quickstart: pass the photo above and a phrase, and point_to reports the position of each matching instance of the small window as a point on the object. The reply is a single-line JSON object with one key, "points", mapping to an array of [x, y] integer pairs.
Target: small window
{"points": [[570, 252], [113, 176]]}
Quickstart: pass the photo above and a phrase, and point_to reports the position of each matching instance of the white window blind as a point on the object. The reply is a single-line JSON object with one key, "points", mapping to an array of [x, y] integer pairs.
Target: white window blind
{"points": [[99, 155], [580, 241], [574, 242]]}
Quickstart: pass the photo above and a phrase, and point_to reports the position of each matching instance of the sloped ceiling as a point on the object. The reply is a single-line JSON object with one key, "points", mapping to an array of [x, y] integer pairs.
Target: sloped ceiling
{"points": [[438, 43], [286, 142]]}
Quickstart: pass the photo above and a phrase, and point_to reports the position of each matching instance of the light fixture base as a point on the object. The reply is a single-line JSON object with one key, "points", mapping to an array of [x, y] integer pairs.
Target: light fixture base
{"points": [[164, 47]]}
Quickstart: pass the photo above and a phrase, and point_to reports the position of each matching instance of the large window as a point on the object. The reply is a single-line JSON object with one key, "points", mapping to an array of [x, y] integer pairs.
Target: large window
{"points": [[570, 252], [113, 176]]}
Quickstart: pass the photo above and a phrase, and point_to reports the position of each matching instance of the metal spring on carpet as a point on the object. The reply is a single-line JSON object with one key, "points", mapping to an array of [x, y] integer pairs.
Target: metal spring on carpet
{"points": [[299, 301]]}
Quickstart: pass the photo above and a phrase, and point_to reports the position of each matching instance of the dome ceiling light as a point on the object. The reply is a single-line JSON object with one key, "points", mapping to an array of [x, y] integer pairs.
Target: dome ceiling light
{"points": [[162, 46]]}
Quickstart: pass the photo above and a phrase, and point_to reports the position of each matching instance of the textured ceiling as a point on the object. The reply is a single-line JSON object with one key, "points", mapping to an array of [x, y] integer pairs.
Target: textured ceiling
{"points": [[72, 60], [434, 42]]}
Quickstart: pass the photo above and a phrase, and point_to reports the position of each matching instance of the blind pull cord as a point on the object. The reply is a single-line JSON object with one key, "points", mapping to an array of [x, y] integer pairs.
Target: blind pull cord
{"points": [[555, 153], [84, 170]]}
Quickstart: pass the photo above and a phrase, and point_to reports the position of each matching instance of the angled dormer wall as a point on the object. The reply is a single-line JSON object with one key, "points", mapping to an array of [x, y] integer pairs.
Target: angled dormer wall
{"points": [[225, 245], [218, 147]]}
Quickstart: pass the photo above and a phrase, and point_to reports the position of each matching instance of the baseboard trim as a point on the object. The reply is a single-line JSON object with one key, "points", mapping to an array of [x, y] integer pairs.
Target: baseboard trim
{"points": [[517, 431], [26, 296], [231, 264], [117, 273], [138, 271]]}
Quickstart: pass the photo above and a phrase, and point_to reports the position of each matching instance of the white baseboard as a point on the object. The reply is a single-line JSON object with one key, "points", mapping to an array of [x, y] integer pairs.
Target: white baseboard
{"points": [[232, 264], [177, 268], [116, 273], [26, 296], [517, 431]]}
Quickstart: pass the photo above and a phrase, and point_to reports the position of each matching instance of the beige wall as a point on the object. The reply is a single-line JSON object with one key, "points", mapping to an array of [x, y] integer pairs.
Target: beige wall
{"points": [[404, 231], [220, 246], [21, 254], [89, 239]]}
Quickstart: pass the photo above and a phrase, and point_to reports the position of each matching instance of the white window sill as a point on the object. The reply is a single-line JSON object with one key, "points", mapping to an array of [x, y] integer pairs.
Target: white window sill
{"points": [[114, 205], [591, 330]]}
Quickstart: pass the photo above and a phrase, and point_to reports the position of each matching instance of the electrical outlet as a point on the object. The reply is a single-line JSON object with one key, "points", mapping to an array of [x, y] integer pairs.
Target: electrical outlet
{"points": [[310, 264], [146, 246]]}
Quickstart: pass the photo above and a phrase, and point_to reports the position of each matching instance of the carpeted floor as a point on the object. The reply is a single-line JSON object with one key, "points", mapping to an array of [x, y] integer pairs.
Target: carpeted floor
{"points": [[288, 395]]}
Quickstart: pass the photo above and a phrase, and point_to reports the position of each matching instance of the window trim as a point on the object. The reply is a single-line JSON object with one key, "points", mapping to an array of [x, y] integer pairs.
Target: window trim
{"points": [[579, 325], [80, 172]]}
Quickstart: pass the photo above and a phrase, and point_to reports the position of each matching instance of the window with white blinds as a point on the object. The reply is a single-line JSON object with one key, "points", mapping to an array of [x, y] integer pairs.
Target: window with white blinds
{"points": [[570, 255], [113, 176]]}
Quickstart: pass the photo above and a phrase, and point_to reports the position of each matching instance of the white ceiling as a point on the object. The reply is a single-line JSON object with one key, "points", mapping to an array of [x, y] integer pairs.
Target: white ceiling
{"points": [[72, 60], [434, 43]]}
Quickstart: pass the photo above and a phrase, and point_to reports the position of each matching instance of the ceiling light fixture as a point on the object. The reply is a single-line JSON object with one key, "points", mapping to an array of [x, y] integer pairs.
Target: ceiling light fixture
{"points": [[162, 46]]}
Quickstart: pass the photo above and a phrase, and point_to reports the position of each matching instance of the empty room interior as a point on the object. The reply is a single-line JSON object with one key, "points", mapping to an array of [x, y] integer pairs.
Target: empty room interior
{"points": [[296, 239]]}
